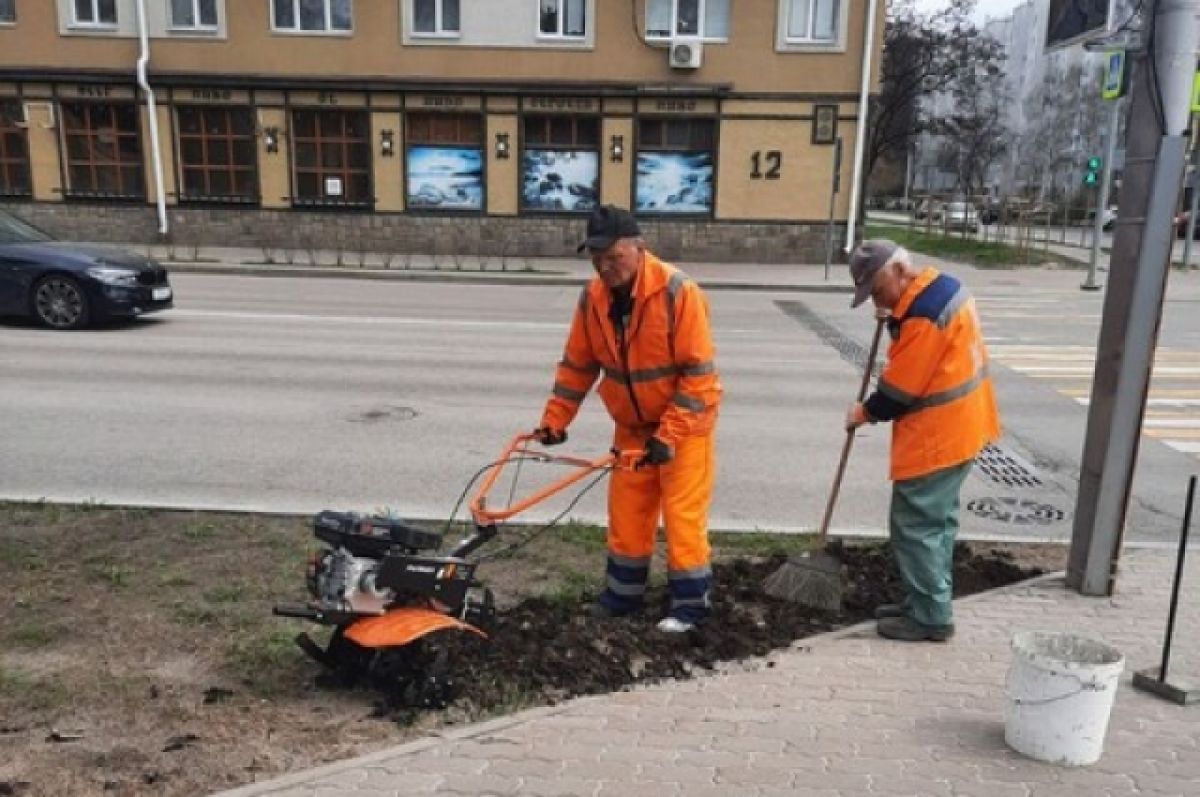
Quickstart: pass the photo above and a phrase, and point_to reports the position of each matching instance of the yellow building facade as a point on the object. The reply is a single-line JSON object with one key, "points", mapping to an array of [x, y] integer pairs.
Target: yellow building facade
{"points": [[476, 126]]}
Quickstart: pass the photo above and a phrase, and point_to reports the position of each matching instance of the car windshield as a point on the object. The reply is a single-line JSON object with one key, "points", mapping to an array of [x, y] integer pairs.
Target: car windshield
{"points": [[15, 231]]}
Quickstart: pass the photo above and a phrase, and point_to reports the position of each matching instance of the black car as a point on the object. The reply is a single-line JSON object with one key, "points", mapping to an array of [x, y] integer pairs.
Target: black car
{"points": [[68, 286]]}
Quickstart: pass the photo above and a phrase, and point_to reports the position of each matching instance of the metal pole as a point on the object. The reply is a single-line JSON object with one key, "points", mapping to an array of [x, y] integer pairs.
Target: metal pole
{"points": [[834, 185], [1110, 153], [1183, 539], [1156, 154]]}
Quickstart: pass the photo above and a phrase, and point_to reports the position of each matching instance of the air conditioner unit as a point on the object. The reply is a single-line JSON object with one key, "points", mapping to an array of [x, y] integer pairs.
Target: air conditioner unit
{"points": [[685, 53]]}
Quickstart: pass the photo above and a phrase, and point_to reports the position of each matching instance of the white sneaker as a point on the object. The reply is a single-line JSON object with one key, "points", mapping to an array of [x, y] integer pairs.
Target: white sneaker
{"points": [[673, 625]]}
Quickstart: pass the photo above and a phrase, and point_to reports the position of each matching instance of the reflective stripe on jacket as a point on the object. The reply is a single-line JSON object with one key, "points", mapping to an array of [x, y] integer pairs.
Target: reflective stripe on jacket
{"points": [[935, 385], [663, 380]]}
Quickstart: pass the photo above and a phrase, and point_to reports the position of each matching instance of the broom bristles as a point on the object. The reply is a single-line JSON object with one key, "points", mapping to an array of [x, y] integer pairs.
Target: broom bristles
{"points": [[814, 581]]}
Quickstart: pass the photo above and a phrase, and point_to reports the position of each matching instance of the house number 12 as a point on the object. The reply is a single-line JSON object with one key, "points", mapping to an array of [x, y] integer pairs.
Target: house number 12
{"points": [[772, 159]]}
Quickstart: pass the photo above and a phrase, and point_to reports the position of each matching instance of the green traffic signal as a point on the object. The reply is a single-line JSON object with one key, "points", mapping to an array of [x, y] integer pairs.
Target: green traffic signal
{"points": [[1092, 175], [1091, 178], [1094, 164]]}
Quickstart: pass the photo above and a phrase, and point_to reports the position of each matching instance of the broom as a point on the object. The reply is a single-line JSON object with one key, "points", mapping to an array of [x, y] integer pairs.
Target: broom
{"points": [[814, 578]]}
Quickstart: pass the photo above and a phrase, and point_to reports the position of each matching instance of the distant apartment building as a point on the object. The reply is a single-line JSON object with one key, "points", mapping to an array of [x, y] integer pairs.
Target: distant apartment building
{"points": [[476, 126]]}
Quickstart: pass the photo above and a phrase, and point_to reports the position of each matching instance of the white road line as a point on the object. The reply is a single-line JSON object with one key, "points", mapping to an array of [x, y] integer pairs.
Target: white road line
{"points": [[1166, 403], [367, 320], [1169, 370], [1171, 423], [1187, 447]]}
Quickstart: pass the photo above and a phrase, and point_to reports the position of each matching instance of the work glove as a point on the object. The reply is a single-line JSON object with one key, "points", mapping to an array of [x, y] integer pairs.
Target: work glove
{"points": [[550, 437], [657, 453]]}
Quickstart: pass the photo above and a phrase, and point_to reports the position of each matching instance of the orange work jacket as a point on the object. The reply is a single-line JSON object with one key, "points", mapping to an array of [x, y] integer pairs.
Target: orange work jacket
{"points": [[935, 386], [658, 378]]}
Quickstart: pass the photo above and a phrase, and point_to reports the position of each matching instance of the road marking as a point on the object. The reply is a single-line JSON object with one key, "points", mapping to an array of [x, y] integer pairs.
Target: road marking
{"points": [[369, 320]]}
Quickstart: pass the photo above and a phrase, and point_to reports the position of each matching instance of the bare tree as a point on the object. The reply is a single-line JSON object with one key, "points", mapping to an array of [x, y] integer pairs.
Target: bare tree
{"points": [[975, 130]]}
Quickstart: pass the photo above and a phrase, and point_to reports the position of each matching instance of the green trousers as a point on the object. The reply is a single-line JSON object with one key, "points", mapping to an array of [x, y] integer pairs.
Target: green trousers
{"points": [[922, 525]]}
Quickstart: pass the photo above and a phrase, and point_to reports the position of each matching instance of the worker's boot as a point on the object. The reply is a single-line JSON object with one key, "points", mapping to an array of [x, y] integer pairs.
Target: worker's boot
{"points": [[906, 629], [885, 610]]}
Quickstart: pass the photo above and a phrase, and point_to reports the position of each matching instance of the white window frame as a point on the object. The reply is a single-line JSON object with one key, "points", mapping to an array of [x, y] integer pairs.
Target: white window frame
{"points": [[703, 18], [197, 26], [787, 43], [439, 18], [559, 35], [95, 22], [790, 7], [328, 30], [5, 23]]}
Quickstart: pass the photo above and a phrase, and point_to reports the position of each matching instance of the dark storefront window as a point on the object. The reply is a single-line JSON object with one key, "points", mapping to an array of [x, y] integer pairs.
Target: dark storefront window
{"points": [[217, 157], [444, 159], [104, 151], [14, 151], [675, 166], [331, 151], [560, 164]]}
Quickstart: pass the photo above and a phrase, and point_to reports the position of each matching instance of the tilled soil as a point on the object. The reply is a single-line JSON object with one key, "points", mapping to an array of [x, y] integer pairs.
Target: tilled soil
{"points": [[552, 650]]}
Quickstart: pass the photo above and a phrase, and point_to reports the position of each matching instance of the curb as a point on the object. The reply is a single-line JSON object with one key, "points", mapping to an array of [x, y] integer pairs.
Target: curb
{"points": [[536, 279]]}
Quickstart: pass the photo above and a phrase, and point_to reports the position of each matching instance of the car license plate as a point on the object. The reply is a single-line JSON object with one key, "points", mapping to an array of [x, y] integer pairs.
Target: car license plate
{"points": [[161, 293]]}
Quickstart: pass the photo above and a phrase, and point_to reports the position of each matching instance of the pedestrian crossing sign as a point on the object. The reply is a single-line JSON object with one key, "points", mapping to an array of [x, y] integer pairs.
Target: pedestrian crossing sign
{"points": [[1114, 75]]}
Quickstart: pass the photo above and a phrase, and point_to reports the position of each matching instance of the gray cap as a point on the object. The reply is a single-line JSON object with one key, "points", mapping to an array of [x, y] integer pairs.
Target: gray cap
{"points": [[865, 262]]}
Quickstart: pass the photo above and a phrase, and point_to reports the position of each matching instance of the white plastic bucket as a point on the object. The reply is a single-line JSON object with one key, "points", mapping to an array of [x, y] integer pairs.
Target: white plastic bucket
{"points": [[1060, 693]]}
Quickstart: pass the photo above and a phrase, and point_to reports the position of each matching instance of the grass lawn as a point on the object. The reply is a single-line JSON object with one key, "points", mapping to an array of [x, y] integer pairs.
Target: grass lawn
{"points": [[963, 250]]}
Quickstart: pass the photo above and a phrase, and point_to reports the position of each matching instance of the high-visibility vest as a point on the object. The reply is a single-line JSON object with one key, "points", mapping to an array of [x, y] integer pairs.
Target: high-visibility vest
{"points": [[657, 376], [935, 385]]}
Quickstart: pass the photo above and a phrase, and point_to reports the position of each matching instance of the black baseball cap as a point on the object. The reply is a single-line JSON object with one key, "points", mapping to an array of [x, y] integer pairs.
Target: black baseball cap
{"points": [[606, 225]]}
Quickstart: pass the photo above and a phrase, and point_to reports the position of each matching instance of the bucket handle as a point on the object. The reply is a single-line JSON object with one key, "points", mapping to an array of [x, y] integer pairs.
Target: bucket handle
{"points": [[1084, 686]]}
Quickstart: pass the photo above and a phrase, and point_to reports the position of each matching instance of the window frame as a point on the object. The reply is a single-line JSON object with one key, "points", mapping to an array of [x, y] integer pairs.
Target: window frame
{"points": [[787, 44], [439, 32], [640, 146], [702, 13], [789, 9], [559, 35], [72, 191], [183, 167], [345, 171], [4, 23], [21, 157], [574, 146], [95, 23], [328, 30], [197, 26]]}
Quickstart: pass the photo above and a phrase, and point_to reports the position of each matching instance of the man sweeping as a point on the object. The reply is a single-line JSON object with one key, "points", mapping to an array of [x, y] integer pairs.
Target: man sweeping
{"points": [[936, 391]]}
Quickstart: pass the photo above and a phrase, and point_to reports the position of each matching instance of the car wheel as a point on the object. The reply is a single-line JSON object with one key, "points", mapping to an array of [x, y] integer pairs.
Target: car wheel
{"points": [[59, 303]]}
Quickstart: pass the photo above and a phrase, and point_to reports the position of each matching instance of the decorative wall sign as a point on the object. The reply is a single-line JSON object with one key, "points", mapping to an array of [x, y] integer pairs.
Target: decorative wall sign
{"points": [[556, 179], [824, 124], [445, 178], [675, 182]]}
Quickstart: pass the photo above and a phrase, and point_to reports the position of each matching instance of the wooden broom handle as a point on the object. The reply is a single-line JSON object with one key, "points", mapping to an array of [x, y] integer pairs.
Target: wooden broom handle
{"points": [[881, 318]]}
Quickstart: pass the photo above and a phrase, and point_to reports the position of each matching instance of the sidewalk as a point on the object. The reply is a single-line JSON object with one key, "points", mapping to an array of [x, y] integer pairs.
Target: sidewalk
{"points": [[842, 714]]}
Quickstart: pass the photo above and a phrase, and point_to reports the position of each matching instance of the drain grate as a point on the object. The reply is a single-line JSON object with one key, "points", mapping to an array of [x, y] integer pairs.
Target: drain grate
{"points": [[1000, 466], [1006, 468], [1017, 511]]}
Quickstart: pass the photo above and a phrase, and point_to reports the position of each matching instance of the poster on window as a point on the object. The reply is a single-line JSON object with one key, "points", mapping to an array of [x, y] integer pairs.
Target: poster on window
{"points": [[445, 178], [674, 182], [555, 179]]}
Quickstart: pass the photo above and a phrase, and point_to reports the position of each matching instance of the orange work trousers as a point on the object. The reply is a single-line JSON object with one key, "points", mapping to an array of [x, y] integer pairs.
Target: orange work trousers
{"points": [[679, 493]]}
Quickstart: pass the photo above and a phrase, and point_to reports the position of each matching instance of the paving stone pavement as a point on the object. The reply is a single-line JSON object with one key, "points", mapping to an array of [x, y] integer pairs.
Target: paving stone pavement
{"points": [[842, 714]]}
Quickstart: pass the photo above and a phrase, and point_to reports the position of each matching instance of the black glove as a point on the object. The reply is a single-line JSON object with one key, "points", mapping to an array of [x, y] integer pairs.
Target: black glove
{"points": [[550, 437], [657, 453]]}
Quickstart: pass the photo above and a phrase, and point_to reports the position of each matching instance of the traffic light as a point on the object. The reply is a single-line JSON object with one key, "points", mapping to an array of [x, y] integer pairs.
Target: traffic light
{"points": [[1091, 175]]}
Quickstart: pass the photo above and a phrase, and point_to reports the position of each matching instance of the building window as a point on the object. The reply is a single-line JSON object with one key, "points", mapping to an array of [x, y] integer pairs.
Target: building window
{"points": [[812, 20], [332, 155], [14, 150], [436, 17], [96, 13], [560, 164], [707, 19], [104, 150], [8, 12], [313, 16], [444, 159], [194, 14], [562, 18], [675, 166], [217, 155]]}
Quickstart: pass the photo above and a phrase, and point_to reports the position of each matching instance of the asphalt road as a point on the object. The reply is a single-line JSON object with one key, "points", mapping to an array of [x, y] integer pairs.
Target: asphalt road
{"points": [[294, 395]]}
